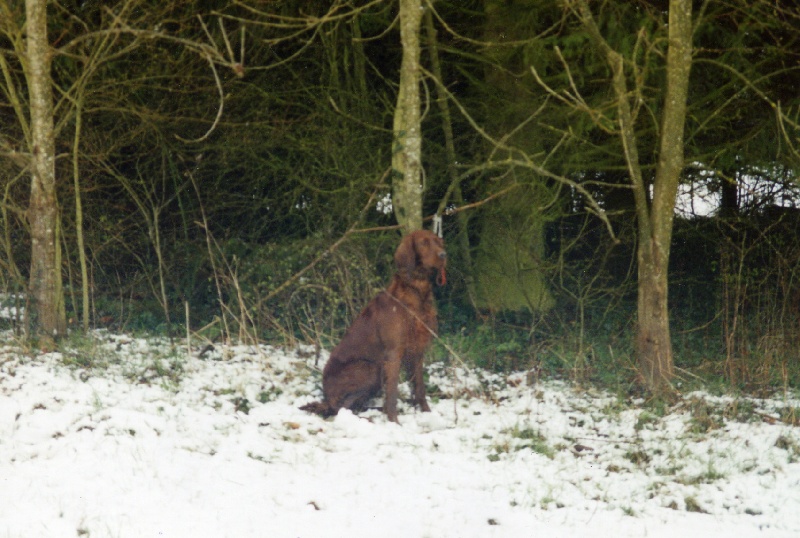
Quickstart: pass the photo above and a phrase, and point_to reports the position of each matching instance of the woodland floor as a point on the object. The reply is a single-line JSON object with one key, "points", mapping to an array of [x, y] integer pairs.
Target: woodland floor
{"points": [[131, 437]]}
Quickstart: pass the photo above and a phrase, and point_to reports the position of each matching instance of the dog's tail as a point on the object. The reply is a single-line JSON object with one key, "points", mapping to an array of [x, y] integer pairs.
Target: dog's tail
{"points": [[318, 408]]}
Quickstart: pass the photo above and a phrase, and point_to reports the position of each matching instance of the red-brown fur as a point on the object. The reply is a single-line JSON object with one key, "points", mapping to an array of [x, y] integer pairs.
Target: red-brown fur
{"points": [[394, 329]]}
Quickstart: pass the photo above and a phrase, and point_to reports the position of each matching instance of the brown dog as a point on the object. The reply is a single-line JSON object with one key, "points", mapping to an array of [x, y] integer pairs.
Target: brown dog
{"points": [[394, 329]]}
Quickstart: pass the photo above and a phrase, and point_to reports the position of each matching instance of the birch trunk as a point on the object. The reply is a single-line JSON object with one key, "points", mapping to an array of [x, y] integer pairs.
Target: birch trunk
{"points": [[407, 144]]}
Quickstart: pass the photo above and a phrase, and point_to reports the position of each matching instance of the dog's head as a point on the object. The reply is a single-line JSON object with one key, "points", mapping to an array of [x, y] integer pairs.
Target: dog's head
{"points": [[423, 252]]}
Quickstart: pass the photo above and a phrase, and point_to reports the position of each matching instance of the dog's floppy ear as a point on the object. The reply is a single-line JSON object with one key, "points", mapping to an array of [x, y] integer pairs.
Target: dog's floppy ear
{"points": [[405, 258]]}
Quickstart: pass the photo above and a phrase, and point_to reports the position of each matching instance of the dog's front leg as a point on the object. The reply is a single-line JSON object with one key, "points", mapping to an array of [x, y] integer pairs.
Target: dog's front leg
{"points": [[391, 378], [417, 376]]}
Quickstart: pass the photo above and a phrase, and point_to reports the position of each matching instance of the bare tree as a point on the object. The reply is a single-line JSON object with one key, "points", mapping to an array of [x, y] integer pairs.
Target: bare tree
{"points": [[654, 216], [41, 120]]}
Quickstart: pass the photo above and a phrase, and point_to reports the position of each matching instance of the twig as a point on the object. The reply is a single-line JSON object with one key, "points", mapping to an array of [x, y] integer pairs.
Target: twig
{"points": [[211, 258], [219, 109]]}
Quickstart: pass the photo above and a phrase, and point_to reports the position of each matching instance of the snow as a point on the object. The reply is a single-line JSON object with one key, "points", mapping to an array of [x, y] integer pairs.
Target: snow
{"points": [[129, 437]]}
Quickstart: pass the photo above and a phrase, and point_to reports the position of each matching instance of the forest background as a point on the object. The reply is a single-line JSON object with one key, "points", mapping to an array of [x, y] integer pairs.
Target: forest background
{"points": [[617, 179]]}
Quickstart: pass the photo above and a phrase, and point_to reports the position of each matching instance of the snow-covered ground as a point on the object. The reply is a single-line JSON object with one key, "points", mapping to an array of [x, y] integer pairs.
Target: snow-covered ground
{"points": [[127, 437]]}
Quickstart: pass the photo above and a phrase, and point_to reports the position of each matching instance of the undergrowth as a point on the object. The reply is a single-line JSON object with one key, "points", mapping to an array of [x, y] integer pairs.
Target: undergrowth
{"points": [[159, 362], [604, 356]]}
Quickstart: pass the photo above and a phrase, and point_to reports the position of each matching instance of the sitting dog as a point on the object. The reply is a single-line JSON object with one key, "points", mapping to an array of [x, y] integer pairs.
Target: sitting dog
{"points": [[392, 331]]}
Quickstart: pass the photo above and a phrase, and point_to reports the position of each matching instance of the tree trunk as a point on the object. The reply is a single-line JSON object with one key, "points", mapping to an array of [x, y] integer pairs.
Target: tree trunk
{"points": [[45, 278], [79, 219], [731, 252], [653, 343], [407, 145], [654, 218]]}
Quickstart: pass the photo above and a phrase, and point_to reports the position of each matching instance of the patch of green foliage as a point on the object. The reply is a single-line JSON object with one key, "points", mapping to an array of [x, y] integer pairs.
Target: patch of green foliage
{"points": [[163, 365]]}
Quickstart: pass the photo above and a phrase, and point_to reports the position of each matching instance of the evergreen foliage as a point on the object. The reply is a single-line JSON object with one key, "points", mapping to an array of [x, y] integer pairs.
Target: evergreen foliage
{"points": [[218, 148]]}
